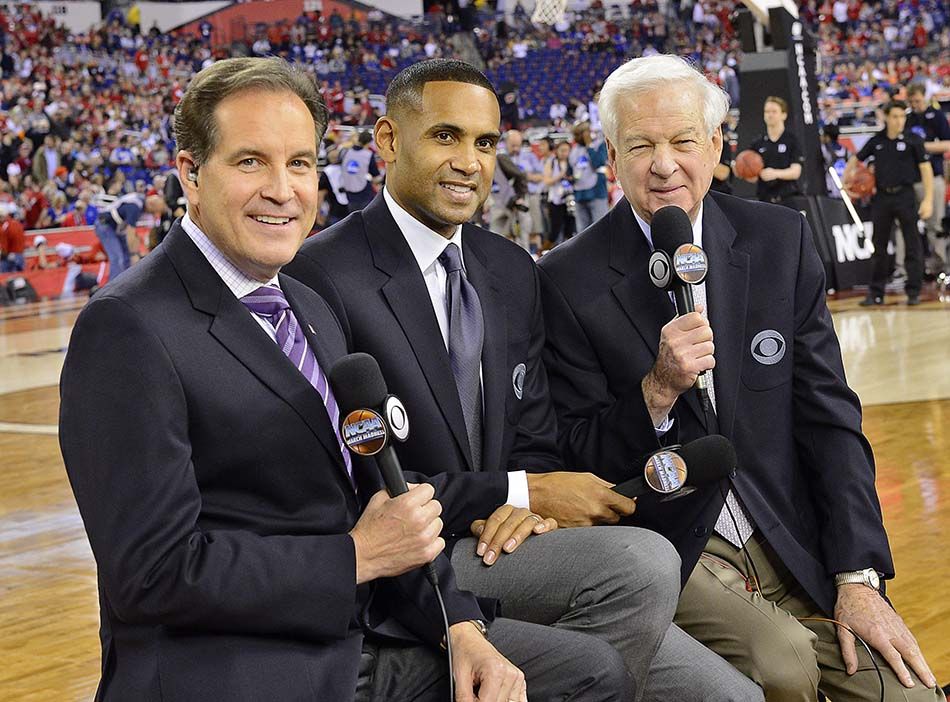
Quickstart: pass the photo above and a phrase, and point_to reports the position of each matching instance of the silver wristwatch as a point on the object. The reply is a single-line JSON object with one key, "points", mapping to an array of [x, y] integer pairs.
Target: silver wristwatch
{"points": [[868, 577]]}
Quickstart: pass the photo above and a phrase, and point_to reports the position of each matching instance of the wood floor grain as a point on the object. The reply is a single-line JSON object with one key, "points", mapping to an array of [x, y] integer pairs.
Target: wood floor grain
{"points": [[48, 601]]}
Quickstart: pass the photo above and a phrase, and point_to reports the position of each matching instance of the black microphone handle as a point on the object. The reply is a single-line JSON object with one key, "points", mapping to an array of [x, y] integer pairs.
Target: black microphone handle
{"points": [[396, 485], [392, 471], [683, 294]]}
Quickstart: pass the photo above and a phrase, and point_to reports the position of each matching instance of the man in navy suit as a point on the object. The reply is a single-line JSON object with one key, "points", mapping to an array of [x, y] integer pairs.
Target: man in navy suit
{"points": [[796, 533], [480, 413], [240, 555]]}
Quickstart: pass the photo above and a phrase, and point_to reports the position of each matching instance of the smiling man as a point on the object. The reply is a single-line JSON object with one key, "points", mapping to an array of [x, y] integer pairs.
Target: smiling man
{"points": [[453, 315], [795, 534], [241, 554]]}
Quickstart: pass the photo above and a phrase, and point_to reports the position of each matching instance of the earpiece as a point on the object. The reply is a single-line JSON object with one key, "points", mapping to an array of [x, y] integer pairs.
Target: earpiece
{"points": [[193, 176]]}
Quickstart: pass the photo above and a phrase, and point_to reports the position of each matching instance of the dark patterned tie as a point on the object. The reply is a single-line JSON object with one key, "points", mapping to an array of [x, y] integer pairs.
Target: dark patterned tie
{"points": [[466, 334], [269, 302]]}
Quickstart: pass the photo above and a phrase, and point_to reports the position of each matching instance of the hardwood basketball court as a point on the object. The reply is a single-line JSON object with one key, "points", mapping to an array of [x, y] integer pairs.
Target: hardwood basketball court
{"points": [[898, 359]]}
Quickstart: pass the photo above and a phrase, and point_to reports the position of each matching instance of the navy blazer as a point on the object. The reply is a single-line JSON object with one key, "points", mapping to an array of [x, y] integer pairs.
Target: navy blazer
{"points": [[215, 497], [367, 273], [806, 472]]}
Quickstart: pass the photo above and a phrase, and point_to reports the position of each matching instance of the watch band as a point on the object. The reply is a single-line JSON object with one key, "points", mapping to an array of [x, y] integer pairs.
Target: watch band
{"points": [[867, 577], [478, 623]]}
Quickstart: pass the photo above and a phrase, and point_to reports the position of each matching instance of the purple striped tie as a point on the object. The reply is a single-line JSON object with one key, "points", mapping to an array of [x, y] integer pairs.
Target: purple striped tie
{"points": [[269, 302]]}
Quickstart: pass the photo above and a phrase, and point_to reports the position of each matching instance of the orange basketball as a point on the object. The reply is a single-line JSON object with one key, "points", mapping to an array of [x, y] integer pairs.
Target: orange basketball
{"points": [[749, 164], [861, 182]]}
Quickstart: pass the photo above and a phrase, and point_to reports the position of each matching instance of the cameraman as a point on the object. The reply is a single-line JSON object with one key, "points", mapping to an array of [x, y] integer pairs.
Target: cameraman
{"points": [[510, 212]]}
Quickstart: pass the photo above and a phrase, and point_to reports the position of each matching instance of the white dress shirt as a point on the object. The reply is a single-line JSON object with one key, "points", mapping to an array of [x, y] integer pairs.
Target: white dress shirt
{"points": [[426, 246], [237, 282]]}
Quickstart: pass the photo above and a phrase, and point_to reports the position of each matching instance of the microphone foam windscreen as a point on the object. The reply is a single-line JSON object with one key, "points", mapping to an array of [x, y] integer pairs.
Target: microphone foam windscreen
{"points": [[670, 228], [708, 459], [357, 382]]}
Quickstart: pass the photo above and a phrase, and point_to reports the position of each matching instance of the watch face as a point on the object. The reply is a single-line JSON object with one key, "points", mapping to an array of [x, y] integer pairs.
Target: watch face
{"points": [[873, 579]]}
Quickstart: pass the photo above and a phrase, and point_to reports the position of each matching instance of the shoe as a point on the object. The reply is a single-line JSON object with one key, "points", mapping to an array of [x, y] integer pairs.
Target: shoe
{"points": [[871, 301], [913, 300]]}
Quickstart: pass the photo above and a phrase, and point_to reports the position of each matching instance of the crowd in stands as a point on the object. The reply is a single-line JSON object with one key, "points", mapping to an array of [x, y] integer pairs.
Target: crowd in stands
{"points": [[87, 118]]}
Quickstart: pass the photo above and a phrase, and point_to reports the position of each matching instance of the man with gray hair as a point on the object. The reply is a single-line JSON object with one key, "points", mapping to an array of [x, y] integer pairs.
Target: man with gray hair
{"points": [[794, 536]]}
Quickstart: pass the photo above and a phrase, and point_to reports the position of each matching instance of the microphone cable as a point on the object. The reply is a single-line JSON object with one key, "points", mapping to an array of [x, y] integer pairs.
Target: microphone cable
{"points": [[757, 589], [433, 579], [745, 552], [877, 668]]}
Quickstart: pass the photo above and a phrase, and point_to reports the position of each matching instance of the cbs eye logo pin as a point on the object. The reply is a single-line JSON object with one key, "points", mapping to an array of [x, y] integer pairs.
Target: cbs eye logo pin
{"points": [[768, 347]]}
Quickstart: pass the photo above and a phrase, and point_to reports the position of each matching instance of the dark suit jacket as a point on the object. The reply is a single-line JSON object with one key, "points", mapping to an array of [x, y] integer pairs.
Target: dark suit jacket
{"points": [[216, 499], [366, 271], [806, 473]]}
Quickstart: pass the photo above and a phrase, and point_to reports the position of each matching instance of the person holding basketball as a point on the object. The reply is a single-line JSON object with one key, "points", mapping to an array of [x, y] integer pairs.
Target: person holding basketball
{"points": [[781, 156], [899, 160]]}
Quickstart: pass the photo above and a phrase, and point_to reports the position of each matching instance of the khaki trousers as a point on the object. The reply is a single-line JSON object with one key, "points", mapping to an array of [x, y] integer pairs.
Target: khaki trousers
{"points": [[761, 636]]}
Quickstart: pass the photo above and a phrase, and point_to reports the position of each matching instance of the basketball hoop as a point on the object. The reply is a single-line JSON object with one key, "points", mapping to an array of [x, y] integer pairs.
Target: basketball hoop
{"points": [[548, 11]]}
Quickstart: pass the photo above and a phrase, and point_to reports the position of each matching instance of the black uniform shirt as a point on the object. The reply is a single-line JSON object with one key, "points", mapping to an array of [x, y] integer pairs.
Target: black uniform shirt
{"points": [[724, 186], [781, 153], [896, 161], [930, 125]]}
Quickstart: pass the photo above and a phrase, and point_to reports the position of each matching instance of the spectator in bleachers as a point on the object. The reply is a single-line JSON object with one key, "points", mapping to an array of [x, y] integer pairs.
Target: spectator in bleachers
{"points": [[12, 240]]}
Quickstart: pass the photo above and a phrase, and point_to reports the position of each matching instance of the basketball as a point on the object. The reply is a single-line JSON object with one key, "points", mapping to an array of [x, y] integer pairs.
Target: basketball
{"points": [[749, 164], [861, 183]]}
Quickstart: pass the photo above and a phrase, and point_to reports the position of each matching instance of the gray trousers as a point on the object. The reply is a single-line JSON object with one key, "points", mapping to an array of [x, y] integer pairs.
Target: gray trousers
{"points": [[558, 665], [618, 584]]}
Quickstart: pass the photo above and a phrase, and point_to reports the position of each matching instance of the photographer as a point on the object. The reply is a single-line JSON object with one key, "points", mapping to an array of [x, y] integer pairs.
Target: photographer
{"points": [[510, 213]]}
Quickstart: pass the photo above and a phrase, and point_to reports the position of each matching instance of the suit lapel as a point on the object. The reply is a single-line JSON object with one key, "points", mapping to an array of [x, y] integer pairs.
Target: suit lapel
{"points": [[727, 289], [235, 329], [647, 307], [494, 350], [409, 300]]}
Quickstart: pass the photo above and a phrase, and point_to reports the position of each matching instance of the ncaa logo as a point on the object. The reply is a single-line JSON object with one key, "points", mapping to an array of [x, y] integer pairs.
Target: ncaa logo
{"points": [[768, 347], [517, 379], [364, 432]]}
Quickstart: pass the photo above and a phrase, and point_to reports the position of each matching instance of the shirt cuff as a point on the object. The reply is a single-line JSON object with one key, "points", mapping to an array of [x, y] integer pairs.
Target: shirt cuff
{"points": [[664, 427], [518, 489]]}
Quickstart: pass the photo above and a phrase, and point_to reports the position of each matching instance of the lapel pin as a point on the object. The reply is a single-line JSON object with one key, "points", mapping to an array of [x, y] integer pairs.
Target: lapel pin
{"points": [[768, 347], [517, 380]]}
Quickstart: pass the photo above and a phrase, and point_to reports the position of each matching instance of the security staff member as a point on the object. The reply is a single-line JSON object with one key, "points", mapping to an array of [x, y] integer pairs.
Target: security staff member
{"points": [[899, 160], [781, 154], [929, 122]]}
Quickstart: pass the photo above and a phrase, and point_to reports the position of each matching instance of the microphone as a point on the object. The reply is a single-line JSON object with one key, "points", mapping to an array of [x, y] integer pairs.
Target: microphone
{"points": [[676, 265], [676, 471], [372, 418]]}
